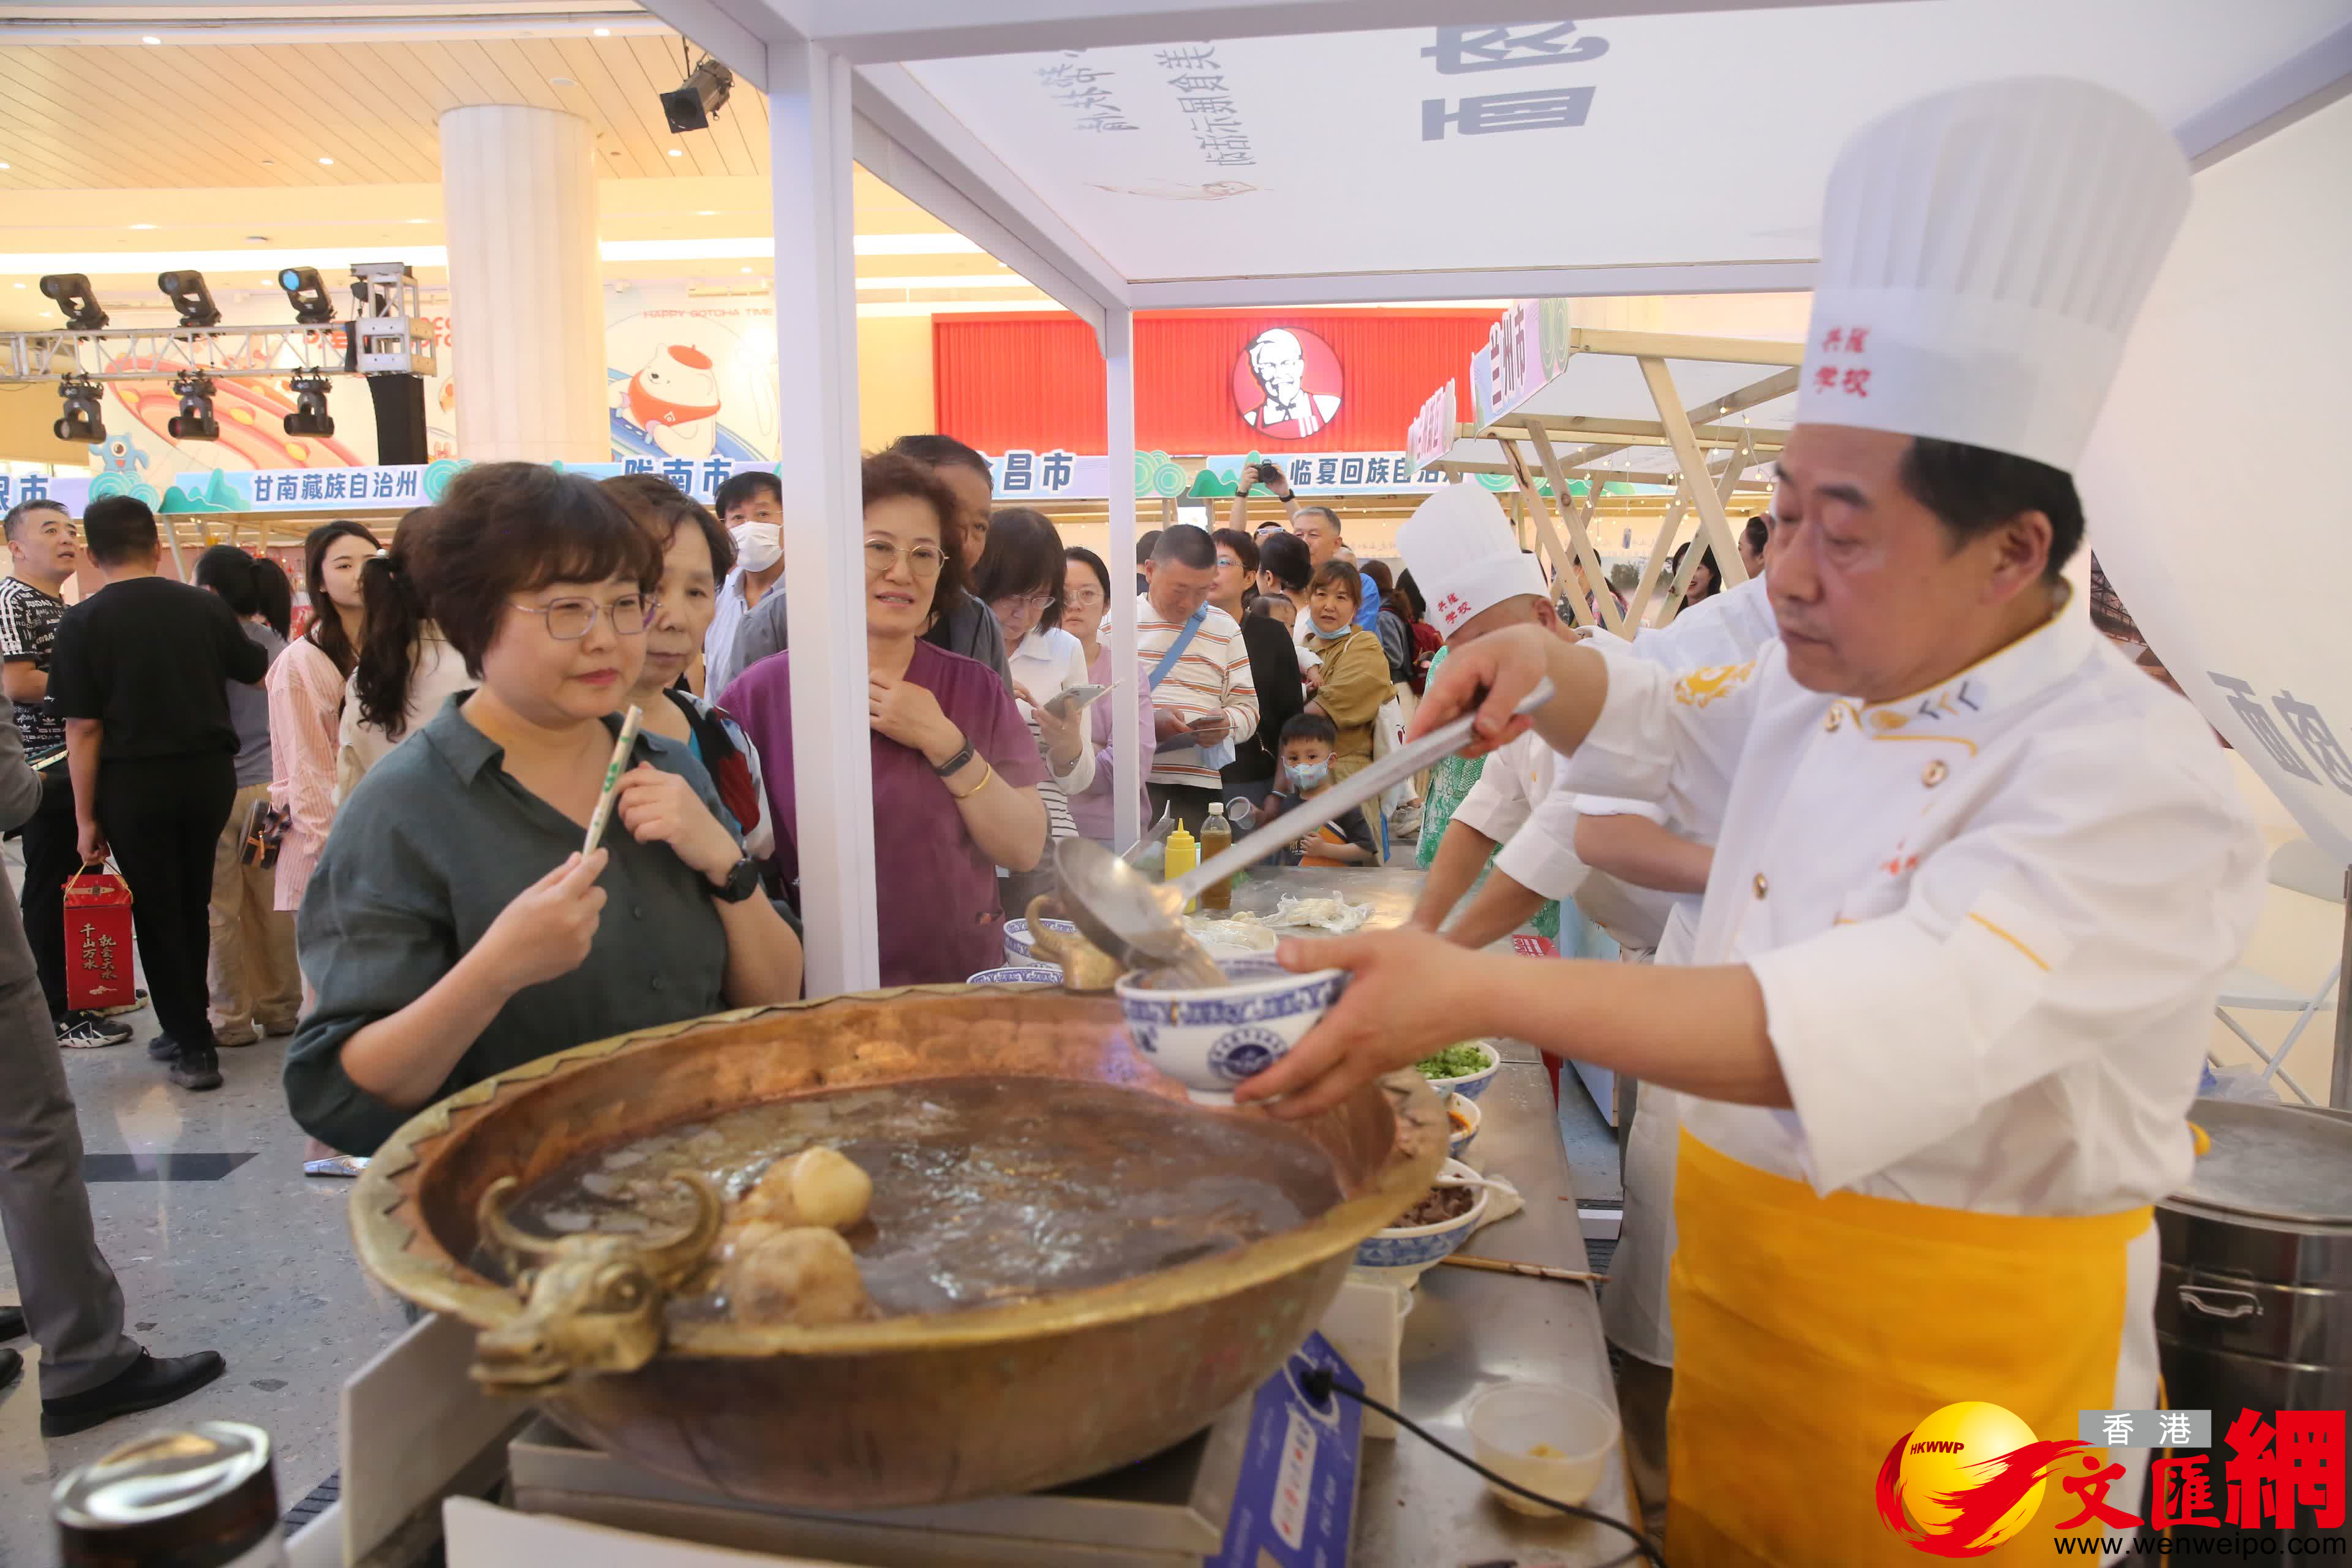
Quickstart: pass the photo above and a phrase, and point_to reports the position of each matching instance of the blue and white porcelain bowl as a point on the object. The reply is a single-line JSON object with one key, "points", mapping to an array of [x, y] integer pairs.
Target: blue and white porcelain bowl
{"points": [[1020, 950], [1470, 1086], [1406, 1251], [1210, 1039], [1018, 974], [1459, 1144]]}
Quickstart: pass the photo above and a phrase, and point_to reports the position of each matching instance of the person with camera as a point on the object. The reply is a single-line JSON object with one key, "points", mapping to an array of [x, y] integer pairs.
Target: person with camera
{"points": [[1277, 485]]}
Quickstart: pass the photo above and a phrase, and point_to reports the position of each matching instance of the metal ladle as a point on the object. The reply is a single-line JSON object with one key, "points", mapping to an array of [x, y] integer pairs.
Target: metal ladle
{"points": [[1139, 920]]}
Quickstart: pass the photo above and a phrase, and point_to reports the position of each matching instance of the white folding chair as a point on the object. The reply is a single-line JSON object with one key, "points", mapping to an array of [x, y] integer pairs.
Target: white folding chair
{"points": [[2299, 867]]}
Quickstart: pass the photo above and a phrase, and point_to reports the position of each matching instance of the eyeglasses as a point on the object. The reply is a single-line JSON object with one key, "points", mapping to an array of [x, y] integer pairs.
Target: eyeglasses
{"points": [[569, 620], [1040, 602], [923, 558]]}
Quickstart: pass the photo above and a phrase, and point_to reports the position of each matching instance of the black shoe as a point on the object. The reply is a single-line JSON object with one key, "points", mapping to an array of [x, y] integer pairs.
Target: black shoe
{"points": [[196, 1070], [144, 1384], [87, 1031], [163, 1048], [11, 1364], [12, 1322]]}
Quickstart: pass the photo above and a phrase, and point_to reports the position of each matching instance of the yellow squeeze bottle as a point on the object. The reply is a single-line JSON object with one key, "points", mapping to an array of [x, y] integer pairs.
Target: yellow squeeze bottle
{"points": [[1183, 855]]}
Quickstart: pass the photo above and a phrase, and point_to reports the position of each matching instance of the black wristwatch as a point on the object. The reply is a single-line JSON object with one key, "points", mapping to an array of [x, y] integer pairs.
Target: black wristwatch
{"points": [[741, 884], [955, 762]]}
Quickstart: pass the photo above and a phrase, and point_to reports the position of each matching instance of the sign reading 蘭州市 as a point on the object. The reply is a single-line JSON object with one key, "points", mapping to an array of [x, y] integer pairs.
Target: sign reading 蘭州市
{"points": [[2228, 386]]}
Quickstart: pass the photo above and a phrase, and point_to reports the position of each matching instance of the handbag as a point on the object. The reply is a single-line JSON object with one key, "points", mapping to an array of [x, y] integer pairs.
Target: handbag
{"points": [[98, 940], [264, 835]]}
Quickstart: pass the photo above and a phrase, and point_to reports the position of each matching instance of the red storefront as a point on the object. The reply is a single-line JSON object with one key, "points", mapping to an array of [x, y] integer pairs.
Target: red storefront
{"points": [[1206, 382]]}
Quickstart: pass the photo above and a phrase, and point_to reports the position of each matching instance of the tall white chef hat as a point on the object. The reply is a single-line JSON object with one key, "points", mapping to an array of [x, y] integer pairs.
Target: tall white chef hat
{"points": [[1984, 252], [1463, 555]]}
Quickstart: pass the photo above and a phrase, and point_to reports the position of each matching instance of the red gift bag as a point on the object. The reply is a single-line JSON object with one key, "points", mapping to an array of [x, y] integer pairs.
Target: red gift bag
{"points": [[98, 940]]}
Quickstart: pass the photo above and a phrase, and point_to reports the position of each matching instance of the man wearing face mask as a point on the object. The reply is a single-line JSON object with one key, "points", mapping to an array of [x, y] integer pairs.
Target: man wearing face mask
{"points": [[752, 505]]}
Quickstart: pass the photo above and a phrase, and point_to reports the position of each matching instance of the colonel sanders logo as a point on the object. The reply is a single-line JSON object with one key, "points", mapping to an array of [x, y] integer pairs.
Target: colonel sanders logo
{"points": [[1286, 384]]}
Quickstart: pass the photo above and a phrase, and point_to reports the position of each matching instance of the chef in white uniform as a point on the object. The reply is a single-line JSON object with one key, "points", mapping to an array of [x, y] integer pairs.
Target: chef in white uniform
{"points": [[1664, 860], [1978, 882], [1459, 547]]}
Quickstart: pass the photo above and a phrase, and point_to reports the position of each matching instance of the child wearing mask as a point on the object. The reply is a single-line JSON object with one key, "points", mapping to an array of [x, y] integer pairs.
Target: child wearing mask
{"points": [[1308, 742]]}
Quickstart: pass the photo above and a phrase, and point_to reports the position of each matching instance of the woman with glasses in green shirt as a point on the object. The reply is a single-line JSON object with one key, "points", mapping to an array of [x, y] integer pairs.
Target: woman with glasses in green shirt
{"points": [[453, 927]]}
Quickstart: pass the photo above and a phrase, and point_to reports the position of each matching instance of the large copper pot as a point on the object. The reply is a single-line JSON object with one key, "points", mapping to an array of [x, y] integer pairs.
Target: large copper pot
{"points": [[911, 1409]]}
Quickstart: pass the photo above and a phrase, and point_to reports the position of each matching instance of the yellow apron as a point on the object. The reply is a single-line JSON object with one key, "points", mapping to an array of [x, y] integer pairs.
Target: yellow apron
{"points": [[1810, 1332]]}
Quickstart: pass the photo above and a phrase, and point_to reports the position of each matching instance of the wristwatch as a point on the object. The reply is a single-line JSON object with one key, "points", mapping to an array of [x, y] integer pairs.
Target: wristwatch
{"points": [[742, 882]]}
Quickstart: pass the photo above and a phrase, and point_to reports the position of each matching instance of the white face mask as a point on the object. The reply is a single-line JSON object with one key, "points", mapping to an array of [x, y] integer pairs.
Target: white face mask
{"points": [[758, 545]]}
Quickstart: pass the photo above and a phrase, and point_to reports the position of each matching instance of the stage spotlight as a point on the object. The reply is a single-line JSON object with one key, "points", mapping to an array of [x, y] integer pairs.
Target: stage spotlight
{"points": [[189, 296], [81, 424], [307, 295], [309, 417], [194, 421], [690, 105], [77, 299]]}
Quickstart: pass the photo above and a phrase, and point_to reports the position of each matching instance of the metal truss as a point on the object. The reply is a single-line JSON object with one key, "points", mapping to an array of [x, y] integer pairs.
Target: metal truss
{"points": [[33, 357]]}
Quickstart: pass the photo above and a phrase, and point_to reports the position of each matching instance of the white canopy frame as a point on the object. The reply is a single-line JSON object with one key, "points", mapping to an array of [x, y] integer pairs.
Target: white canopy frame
{"points": [[823, 113], [1710, 458]]}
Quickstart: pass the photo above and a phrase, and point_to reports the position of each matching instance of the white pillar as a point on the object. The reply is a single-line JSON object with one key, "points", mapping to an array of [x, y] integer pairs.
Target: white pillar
{"points": [[519, 198], [1127, 740], [816, 361]]}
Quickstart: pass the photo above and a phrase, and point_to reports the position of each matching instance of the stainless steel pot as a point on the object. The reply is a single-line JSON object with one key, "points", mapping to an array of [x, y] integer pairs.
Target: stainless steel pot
{"points": [[2254, 1306]]}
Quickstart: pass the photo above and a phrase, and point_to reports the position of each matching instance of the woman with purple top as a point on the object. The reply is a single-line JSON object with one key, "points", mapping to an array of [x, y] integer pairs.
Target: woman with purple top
{"points": [[1086, 599], [955, 768]]}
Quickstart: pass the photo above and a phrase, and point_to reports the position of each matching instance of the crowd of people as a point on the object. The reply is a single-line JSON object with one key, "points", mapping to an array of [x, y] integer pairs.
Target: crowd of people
{"points": [[365, 830]]}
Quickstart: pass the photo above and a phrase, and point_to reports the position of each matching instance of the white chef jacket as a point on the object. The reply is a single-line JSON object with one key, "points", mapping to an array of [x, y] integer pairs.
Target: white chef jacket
{"points": [[1989, 921], [1514, 804]]}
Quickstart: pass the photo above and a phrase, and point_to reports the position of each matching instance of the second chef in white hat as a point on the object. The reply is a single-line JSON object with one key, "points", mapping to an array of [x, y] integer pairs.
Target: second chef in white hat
{"points": [[1977, 885]]}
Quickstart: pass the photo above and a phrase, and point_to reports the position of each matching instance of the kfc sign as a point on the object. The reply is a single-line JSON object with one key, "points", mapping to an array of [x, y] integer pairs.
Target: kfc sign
{"points": [[1432, 432], [1286, 384]]}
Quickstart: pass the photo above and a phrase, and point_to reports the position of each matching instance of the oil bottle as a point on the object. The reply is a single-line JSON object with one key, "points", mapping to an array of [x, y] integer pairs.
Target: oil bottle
{"points": [[1216, 838]]}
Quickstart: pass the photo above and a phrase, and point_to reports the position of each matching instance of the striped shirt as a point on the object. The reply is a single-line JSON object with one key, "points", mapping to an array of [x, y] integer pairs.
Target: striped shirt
{"points": [[1214, 675]]}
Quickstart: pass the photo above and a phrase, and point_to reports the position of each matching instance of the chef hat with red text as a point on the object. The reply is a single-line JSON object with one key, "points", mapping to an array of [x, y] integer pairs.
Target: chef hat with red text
{"points": [[1984, 253], [1463, 555]]}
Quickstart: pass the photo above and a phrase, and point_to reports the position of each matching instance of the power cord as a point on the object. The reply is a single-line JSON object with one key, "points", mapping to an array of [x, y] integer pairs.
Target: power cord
{"points": [[1318, 1384]]}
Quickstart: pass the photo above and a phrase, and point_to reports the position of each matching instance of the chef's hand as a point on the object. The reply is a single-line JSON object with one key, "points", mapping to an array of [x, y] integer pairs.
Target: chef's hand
{"points": [[1489, 678], [659, 807], [545, 931], [1409, 994], [911, 715]]}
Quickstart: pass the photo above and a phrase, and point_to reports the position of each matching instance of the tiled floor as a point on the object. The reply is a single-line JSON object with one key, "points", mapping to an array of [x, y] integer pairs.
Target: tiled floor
{"points": [[254, 1263]]}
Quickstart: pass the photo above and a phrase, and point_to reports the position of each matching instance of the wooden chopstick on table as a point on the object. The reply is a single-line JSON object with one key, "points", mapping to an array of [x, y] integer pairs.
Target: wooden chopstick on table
{"points": [[1532, 1270]]}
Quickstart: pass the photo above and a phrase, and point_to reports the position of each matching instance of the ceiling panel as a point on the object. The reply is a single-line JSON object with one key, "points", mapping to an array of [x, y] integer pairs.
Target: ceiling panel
{"points": [[237, 116]]}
